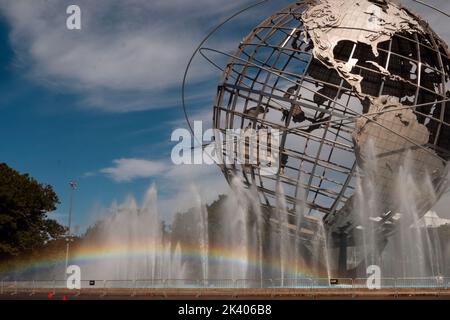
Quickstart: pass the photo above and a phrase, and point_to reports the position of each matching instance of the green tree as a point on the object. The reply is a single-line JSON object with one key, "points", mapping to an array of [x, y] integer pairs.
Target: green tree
{"points": [[24, 204]]}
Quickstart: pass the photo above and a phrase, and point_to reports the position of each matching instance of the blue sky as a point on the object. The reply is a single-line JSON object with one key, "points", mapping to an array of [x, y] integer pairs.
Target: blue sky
{"points": [[99, 105]]}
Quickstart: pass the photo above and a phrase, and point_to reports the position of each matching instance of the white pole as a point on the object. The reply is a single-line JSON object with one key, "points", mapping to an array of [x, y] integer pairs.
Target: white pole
{"points": [[72, 188]]}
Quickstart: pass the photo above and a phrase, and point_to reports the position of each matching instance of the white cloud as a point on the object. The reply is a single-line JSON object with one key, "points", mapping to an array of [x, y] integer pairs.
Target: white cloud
{"points": [[126, 170], [130, 55]]}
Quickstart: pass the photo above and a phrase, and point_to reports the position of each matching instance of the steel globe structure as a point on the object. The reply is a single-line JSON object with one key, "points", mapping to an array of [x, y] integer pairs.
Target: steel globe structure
{"points": [[339, 78]]}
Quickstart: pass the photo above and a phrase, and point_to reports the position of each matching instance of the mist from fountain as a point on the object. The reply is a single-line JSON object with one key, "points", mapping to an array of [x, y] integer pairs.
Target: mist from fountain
{"points": [[409, 251], [283, 234], [132, 243], [253, 243]]}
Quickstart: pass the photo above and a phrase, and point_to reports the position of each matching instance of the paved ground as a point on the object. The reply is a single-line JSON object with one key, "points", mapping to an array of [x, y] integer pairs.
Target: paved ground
{"points": [[225, 294]]}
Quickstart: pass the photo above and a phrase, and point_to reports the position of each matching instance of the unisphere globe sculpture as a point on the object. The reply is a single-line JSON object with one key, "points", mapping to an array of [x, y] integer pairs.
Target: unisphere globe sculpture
{"points": [[360, 92]]}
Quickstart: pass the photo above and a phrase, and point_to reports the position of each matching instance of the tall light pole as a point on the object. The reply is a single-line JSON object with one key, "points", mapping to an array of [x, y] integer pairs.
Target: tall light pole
{"points": [[73, 186]]}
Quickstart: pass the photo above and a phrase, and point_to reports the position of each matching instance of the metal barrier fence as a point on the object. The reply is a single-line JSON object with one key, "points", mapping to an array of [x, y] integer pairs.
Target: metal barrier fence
{"points": [[9, 287], [326, 283], [446, 283], [253, 283], [297, 283], [217, 284], [417, 283], [150, 284], [341, 286], [183, 283]]}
